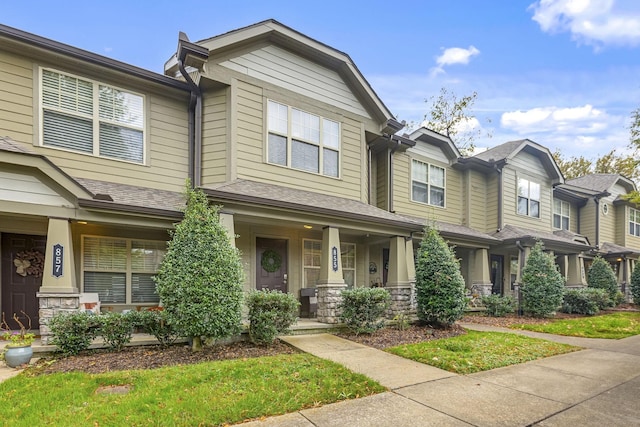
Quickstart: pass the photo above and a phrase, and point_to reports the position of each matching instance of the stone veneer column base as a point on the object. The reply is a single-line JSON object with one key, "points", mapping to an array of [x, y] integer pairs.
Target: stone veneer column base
{"points": [[329, 298], [51, 304], [481, 289], [402, 299]]}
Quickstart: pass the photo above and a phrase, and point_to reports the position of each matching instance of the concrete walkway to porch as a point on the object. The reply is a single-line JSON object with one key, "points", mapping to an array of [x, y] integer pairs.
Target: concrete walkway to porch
{"points": [[593, 387]]}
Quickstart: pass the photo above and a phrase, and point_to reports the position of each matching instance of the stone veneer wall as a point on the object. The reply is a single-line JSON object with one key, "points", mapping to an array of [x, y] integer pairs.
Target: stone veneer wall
{"points": [[52, 304], [329, 297], [402, 300]]}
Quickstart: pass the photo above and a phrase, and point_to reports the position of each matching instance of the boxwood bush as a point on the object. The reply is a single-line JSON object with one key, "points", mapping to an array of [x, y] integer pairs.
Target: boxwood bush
{"points": [[271, 313], [154, 322], [363, 309], [498, 305], [587, 301], [601, 276], [117, 328], [73, 332]]}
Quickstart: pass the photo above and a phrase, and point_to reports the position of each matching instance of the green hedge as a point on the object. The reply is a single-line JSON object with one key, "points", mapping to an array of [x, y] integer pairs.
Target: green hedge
{"points": [[271, 313], [363, 309]]}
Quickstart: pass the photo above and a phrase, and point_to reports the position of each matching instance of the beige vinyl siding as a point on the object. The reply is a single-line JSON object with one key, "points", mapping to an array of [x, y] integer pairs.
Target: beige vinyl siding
{"points": [[527, 166], [478, 202], [16, 98], [282, 68], [214, 137], [24, 187], [452, 211], [251, 156], [492, 204], [382, 180], [588, 220], [573, 218], [621, 225]]}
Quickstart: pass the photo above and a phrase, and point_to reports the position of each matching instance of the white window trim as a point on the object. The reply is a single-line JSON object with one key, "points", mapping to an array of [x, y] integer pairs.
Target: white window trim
{"points": [[129, 270], [289, 137], [95, 117], [529, 198], [568, 215], [444, 187], [636, 214], [354, 269]]}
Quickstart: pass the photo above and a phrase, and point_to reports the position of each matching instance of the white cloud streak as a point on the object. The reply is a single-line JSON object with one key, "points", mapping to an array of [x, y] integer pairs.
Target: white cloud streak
{"points": [[592, 22], [452, 56]]}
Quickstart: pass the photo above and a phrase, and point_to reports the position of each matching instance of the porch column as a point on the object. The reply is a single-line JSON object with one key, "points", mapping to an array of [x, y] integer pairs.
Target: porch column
{"points": [[398, 283], [575, 271], [330, 282], [411, 274], [59, 291], [226, 220], [481, 277]]}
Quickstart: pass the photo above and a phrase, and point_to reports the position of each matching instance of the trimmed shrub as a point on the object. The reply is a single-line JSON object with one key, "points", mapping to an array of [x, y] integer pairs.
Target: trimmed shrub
{"points": [[117, 328], [498, 305], [601, 276], [73, 332], [542, 284], [635, 284], [587, 301], [271, 313], [440, 289], [200, 278], [363, 309], [154, 322]]}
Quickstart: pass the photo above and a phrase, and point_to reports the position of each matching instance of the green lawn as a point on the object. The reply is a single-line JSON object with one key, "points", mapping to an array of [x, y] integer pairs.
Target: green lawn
{"points": [[611, 326], [212, 393], [480, 351]]}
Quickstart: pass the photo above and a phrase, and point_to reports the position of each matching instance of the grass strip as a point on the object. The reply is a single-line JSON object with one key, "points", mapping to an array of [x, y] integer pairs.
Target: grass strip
{"points": [[480, 351], [609, 326], [206, 394]]}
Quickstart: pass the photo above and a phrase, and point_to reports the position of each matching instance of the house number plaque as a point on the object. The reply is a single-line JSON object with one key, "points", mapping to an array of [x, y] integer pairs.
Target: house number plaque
{"points": [[334, 258], [58, 253]]}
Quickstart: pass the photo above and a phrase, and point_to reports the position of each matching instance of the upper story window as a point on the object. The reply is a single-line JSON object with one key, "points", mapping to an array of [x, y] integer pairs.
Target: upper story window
{"points": [[528, 198], [121, 270], [561, 210], [302, 140], [634, 222], [312, 253], [427, 183], [91, 117]]}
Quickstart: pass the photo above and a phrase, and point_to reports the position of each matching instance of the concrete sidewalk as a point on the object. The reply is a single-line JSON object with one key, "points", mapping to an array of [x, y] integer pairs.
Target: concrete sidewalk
{"points": [[593, 387]]}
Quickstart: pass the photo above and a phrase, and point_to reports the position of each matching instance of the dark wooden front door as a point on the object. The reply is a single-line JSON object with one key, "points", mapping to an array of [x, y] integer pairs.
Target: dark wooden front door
{"points": [[19, 287], [271, 264], [497, 273]]}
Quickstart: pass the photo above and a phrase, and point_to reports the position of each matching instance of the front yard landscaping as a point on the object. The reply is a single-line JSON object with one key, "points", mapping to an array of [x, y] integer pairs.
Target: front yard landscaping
{"points": [[610, 326]]}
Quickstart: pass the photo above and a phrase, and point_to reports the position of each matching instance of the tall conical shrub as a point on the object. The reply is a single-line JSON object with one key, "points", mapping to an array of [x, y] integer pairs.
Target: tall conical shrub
{"points": [[440, 289], [542, 284], [200, 279], [635, 284], [601, 276]]}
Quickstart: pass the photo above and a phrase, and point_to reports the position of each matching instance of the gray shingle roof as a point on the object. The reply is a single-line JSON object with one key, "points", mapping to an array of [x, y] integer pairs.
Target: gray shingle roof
{"points": [[510, 232], [612, 248], [501, 151], [8, 144], [596, 181], [276, 195], [132, 195]]}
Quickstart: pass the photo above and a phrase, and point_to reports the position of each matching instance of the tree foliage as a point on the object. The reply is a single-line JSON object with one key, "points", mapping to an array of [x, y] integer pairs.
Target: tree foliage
{"points": [[601, 276], [200, 279], [635, 129], [453, 117], [611, 163], [440, 288], [635, 284], [542, 284]]}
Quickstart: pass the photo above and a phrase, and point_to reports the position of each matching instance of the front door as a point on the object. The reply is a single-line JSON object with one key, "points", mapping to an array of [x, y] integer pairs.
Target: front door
{"points": [[271, 264], [22, 268], [497, 269]]}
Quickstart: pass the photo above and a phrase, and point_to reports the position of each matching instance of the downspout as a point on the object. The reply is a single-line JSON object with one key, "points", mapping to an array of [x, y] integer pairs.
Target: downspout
{"points": [[597, 202], [521, 266], [369, 173], [500, 198], [195, 128], [390, 192]]}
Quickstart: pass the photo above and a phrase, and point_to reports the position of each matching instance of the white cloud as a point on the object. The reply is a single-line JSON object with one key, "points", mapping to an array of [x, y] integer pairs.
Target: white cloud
{"points": [[452, 56], [544, 119], [592, 22]]}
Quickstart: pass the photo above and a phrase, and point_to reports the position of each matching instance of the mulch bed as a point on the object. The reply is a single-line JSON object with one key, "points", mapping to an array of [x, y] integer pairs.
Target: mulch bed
{"points": [[149, 357]]}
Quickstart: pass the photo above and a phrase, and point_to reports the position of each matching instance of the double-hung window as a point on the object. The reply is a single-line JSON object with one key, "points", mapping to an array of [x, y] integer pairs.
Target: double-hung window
{"points": [[302, 140], [427, 183], [90, 117], [634, 222], [312, 253], [528, 198], [561, 212], [121, 270]]}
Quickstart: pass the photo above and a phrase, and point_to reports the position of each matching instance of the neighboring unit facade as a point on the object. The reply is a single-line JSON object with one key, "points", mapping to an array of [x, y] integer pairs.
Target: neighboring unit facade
{"points": [[317, 188]]}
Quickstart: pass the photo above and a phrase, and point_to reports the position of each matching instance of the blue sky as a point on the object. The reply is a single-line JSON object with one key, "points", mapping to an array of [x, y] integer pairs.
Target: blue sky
{"points": [[563, 73]]}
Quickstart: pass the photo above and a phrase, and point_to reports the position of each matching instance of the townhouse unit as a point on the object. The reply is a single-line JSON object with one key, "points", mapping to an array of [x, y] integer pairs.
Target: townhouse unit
{"points": [[317, 185]]}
